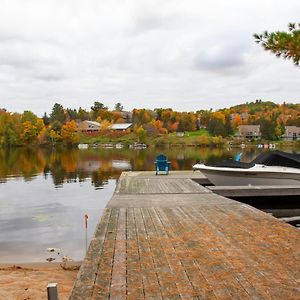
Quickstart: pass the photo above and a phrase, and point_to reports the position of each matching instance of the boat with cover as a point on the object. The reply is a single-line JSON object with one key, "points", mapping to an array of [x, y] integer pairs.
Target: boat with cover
{"points": [[269, 168]]}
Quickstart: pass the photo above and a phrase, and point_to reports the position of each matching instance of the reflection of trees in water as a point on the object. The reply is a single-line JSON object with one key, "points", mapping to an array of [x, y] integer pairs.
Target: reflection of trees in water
{"points": [[73, 165], [21, 162]]}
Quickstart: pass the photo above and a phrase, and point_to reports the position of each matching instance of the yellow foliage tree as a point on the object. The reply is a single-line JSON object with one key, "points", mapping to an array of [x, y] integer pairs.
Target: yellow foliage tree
{"points": [[69, 132], [219, 116], [29, 132]]}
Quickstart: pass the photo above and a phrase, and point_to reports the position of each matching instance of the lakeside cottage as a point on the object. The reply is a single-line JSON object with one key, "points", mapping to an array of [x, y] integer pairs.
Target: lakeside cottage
{"points": [[249, 132], [89, 126], [292, 133]]}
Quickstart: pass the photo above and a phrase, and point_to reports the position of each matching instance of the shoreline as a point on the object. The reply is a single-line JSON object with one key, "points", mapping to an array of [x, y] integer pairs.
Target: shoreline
{"points": [[30, 280], [36, 265]]}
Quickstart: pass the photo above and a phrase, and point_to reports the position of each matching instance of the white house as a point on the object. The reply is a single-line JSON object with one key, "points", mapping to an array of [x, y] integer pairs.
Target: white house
{"points": [[292, 133], [249, 131]]}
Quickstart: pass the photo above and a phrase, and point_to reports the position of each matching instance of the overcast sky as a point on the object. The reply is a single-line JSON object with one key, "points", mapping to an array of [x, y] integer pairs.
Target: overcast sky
{"points": [[182, 54]]}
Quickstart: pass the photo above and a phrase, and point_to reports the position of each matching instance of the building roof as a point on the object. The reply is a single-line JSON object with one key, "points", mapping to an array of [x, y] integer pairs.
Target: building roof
{"points": [[121, 126], [92, 123], [292, 128], [249, 126]]}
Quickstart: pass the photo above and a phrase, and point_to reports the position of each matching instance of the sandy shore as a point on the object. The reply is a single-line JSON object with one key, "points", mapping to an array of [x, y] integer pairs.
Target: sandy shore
{"points": [[28, 281]]}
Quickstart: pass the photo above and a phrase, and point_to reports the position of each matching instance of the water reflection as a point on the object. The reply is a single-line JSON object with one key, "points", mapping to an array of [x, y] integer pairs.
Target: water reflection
{"points": [[35, 215], [71, 165]]}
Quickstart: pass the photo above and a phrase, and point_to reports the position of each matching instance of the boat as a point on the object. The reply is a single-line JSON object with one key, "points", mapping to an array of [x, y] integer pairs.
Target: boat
{"points": [[83, 146], [270, 168]]}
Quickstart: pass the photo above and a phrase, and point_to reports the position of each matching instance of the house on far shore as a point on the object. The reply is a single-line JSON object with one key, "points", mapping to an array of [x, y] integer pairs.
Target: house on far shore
{"points": [[292, 133], [89, 126], [120, 126], [249, 132]]}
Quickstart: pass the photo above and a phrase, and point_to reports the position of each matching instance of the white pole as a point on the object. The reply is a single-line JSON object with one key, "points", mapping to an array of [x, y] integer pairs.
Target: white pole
{"points": [[86, 225]]}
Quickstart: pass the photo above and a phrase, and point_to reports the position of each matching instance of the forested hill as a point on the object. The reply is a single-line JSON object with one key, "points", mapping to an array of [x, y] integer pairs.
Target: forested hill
{"points": [[261, 106]]}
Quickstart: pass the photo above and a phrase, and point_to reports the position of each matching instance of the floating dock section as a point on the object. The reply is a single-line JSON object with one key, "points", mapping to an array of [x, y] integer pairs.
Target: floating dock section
{"points": [[167, 237]]}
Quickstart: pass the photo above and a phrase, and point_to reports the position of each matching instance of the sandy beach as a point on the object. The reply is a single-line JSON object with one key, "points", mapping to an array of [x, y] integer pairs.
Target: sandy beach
{"points": [[28, 281]]}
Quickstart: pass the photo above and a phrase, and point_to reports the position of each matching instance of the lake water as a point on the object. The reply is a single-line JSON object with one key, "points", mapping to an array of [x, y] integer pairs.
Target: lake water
{"points": [[45, 193]]}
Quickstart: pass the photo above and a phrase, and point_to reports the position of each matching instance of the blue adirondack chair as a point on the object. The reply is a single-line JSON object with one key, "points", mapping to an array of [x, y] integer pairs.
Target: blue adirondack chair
{"points": [[162, 164]]}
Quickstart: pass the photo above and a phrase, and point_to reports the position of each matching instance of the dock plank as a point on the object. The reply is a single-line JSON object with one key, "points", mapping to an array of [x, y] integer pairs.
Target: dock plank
{"points": [[135, 289]]}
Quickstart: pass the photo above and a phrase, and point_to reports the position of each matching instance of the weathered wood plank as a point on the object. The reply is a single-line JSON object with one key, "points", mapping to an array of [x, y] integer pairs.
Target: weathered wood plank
{"points": [[119, 280], [135, 288], [151, 284], [84, 285], [102, 283]]}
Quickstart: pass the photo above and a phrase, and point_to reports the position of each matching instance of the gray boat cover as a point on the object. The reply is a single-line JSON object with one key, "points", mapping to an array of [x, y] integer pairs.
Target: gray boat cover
{"points": [[270, 158]]}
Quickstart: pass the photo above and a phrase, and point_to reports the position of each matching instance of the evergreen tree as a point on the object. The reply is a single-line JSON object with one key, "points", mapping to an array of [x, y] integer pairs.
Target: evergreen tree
{"points": [[58, 113], [267, 129], [46, 119], [119, 107], [282, 44]]}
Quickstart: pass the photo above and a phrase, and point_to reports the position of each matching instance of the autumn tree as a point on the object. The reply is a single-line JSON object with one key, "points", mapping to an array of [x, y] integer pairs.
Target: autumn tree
{"points": [[31, 127], [187, 122], [205, 116], [53, 133], [141, 134], [29, 132], [216, 124], [237, 121], [96, 108], [281, 43], [69, 132], [10, 127], [82, 114], [141, 116], [117, 117]]}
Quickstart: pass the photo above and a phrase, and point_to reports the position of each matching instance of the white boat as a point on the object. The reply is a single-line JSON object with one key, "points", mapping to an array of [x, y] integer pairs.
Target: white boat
{"points": [[83, 146], [256, 175], [262, 171]]}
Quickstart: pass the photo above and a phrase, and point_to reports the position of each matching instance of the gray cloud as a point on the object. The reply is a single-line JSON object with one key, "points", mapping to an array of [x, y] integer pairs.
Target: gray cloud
{"points": [[220, 56]]}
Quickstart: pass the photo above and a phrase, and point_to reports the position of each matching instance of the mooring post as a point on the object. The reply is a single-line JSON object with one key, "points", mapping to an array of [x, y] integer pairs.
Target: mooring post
{"points": [[52, 291]]}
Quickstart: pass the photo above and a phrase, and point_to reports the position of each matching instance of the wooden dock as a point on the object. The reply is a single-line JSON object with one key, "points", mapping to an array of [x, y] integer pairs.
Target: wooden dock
{"points": [[166, 237]]}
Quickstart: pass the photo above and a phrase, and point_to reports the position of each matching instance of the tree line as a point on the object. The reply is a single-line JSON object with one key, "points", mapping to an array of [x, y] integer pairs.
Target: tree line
{"points": [[61, 125]]}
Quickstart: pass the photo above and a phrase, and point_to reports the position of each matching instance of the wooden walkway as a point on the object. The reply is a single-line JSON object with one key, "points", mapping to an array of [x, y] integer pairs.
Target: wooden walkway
{"points": [[166, 237]]}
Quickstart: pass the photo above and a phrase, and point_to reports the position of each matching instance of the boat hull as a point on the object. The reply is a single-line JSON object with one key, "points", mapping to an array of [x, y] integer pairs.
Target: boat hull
{"points": [[234, 177]]}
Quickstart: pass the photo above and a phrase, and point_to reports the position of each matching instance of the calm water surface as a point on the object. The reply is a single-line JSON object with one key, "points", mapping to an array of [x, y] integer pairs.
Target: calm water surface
{"points": [[45, 193]]}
